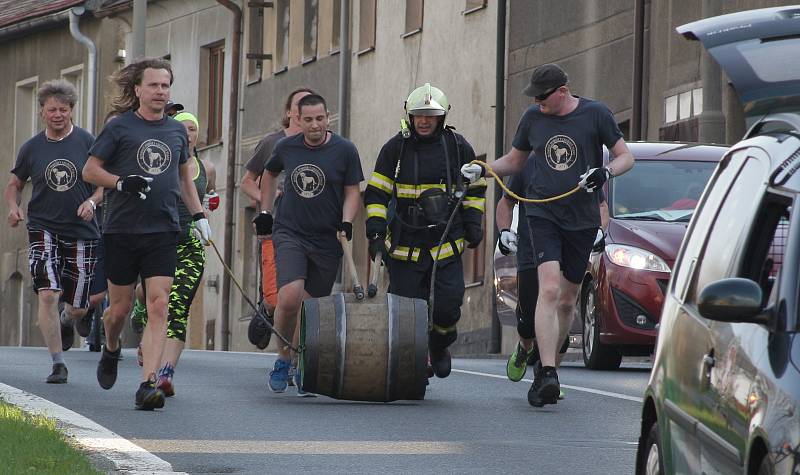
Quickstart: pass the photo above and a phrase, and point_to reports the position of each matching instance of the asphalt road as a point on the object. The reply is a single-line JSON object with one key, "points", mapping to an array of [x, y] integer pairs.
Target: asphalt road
{"points": [[224, 420]]}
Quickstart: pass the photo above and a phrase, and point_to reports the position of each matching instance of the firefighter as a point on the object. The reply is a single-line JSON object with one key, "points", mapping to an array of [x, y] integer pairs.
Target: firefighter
{"points": [[413, 191]]}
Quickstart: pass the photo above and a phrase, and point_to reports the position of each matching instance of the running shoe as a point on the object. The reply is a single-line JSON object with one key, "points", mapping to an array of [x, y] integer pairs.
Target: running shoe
{"points": [[561, 395], [545, 388], [138, 317], [67, 331], [279, 376], [59, 374], [517, 364], [440, 362], [164, 382], [107, 368], [84, 324], [148, 396]]}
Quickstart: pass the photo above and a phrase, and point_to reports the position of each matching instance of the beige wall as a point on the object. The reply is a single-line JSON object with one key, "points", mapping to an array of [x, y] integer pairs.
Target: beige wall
{"points": [[455, 53]]}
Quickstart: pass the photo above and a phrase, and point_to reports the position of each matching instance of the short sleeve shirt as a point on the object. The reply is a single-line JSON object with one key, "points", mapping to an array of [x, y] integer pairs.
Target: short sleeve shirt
{"points": [[130, 145], [262, 152], [311, 206], [565, 147], [54, 168]]}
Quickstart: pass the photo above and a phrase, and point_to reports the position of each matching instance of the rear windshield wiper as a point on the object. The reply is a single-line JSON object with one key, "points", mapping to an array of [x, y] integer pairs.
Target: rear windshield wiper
{"points": [[640, 218]]}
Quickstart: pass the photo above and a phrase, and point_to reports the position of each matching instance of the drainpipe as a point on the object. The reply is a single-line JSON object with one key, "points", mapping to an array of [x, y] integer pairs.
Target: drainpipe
{"points": [[91, 73], [230, 179], [711, 123], [344, 69], [495, 344], [638, 67], [139, 30]]}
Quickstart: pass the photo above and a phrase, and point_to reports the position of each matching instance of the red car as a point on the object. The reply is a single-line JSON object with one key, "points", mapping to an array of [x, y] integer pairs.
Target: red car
{"points": [[650, 208]]}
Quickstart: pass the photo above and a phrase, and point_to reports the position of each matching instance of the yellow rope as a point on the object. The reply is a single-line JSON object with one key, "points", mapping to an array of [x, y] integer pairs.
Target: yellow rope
{"points": [[514, 195]]}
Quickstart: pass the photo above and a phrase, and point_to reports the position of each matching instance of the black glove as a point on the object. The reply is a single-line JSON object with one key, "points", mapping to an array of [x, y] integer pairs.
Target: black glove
{"points": [[594, 178], [599, 241], [347, 228], [135, 184], [263, 224], [376, 245], [473, 234]]}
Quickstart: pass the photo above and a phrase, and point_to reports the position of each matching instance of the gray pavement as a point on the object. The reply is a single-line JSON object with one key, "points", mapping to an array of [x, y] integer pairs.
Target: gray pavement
{"points": [[223, 419]]}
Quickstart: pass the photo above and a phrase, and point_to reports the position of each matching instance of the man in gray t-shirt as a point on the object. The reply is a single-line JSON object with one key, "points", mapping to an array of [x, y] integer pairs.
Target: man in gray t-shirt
{"points": [[321, 197], [142, 157], [567, 134], [62, 231]]}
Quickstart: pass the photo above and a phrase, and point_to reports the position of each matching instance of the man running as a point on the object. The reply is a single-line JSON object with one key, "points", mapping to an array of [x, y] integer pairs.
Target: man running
{"points": [[567, 134], [62, 232], [321, 197], [142, 157]]}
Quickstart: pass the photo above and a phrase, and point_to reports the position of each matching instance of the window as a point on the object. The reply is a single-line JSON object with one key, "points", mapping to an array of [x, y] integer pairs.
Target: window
{"points": [[473, 6], [413, 17], [255, 40], [75, 76], [211, 92], [281, 57], [26, 109], [366, 26], [683, 105], [310, 14]]}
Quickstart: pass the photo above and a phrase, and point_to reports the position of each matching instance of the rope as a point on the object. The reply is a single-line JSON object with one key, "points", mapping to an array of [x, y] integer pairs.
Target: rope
{"points": [[514, 195], [247, 299]]}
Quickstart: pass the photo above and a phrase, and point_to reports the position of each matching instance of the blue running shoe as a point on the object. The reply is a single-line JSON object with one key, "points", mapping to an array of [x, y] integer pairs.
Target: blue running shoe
{"points": [[279, 376]]}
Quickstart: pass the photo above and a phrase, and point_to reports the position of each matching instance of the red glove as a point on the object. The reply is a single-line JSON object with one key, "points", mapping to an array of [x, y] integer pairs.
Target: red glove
{"points": [[211, 200]]}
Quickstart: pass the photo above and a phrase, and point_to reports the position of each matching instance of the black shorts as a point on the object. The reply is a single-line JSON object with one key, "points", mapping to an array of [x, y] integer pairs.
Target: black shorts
{"points": [[99, 282], [128, 256], [570, 248], [295, 260]]}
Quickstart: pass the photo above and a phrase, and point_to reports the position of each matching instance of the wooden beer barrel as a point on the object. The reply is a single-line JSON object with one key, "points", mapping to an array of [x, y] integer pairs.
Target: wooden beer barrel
{"points": [[368, 350]]}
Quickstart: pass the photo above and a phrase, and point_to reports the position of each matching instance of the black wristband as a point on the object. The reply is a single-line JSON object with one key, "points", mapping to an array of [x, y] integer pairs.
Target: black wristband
{"points": [[198, 216]]}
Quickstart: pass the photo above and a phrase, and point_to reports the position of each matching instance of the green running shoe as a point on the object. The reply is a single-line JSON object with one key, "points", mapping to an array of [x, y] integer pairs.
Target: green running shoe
{"points": [[561, 395], [517, 364], [138, 317]]}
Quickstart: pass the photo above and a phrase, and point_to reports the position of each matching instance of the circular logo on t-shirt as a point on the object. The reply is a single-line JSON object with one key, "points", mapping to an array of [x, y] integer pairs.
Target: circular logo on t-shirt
{"points": [[61, 175], [154, 156], [560, 152], [308, 181]]}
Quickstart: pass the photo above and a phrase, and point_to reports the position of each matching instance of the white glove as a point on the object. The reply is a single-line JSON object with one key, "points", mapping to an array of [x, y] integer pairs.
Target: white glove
{"points": [[472, 172], [594, 178], [202, 231], [509, 240]]}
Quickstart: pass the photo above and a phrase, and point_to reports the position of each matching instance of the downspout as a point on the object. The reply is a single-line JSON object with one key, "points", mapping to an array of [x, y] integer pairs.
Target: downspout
{"points": [[638, 68], [495, 344], [711, 123], [91, 72], [344, 69], [230, 179]]}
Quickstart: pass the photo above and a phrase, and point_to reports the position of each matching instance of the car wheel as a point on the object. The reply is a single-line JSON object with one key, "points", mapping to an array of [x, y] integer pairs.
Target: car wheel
{"points": [[596, 355], [652, 462]]}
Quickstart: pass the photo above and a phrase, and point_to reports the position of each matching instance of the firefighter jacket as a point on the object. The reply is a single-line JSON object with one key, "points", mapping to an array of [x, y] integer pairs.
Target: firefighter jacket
{"points": [[404, 170]]}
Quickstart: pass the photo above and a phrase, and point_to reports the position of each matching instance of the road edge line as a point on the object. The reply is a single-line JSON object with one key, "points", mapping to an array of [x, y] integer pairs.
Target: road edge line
{"points": [[88, 435], [566, 386]]}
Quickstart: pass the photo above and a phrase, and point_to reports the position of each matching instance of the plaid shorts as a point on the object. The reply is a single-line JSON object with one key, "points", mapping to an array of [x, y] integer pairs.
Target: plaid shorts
{"points": [[62, 264]]}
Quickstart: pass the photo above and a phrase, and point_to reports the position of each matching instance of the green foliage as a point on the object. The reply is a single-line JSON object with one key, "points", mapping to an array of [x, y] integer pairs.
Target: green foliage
{"points": [[32, 444]]}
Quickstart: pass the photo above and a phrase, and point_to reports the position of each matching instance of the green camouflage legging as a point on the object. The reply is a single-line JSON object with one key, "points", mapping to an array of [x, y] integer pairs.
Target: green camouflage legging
{"points": [[189, 270]]}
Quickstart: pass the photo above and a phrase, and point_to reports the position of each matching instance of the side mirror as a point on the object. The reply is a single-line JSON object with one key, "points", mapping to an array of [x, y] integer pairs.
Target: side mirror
{"points": [[731, 300]]}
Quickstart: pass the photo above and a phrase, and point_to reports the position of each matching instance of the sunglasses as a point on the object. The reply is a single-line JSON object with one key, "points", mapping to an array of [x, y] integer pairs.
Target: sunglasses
{"points": [[544, 96]]}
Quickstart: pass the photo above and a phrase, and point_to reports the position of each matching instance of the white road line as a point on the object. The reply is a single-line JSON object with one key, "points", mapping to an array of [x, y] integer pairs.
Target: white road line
{"points": [[566, 386], [89, 435]]}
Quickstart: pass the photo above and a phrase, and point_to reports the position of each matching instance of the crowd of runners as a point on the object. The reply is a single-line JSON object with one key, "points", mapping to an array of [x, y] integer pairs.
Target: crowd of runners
{"points": [[126, 213]]}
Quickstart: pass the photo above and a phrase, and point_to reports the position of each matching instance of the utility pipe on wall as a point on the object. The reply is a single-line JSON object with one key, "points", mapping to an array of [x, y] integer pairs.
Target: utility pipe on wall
{"points": [[230, 178], [344, 69], [91, 69], [139, 30], [638, 70]]}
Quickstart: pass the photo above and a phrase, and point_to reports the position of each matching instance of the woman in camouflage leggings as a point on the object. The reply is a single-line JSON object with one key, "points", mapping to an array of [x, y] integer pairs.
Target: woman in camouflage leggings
{"points": [[189, 269]]}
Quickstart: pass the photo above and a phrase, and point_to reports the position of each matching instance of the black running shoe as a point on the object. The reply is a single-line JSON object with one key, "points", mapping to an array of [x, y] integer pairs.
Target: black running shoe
{"points": [[107, 368], [440, 362], [258, 331], [149, 397], [59, 374], [545, 388], [67, 332], [84, 324]]}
